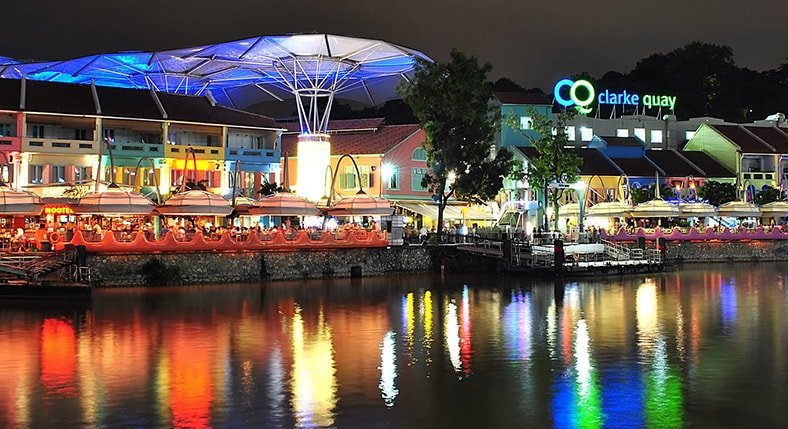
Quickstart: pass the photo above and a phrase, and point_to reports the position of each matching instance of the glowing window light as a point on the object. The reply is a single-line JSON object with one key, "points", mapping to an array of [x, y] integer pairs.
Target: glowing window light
{"points": [[314, 157], [388, 369]]}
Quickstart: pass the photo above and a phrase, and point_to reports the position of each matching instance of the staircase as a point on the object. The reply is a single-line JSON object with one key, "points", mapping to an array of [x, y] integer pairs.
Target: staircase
{"points": [[617, 252], [32, 267]]}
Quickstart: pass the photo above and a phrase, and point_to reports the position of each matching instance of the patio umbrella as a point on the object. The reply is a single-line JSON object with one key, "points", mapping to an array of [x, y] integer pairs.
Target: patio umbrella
{"points": [[569, 209], [114, 202], [361, 204], [655, 208], [738, 209], [19, 202], [697, 210], [284, 204], [242, 204], [196, 203], [608, 209], [775, 209]]}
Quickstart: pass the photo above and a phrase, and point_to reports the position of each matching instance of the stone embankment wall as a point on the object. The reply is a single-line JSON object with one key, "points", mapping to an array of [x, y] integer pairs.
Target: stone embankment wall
{"points": [[728, 251], [229, 267]]}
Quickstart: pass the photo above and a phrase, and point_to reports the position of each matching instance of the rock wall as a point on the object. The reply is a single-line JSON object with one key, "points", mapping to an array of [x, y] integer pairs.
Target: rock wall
{"points": [[728, 251], [227, 267]]}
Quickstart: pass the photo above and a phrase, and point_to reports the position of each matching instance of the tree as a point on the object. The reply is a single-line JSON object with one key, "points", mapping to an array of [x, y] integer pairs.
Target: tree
{"points": [[452, 102], [646, 193], [557, 165], [767, 195], [269, 188], [717, 193]]}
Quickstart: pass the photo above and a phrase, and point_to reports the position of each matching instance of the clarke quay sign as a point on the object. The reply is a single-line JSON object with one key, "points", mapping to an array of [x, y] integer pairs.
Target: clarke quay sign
{"points": [[581, 94]]}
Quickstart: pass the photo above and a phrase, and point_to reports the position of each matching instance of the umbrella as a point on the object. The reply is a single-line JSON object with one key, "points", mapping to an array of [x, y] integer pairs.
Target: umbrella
{"points": [[738, 209], [19, 202], [569, 209], [697, 210], [114, 202], [284, 204], [361, 204], [196, 203], [775, 209], [655, 208], [242, 204], [608, 209]]}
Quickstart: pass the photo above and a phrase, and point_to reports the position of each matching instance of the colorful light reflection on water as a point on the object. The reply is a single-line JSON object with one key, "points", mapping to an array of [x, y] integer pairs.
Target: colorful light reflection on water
{"points": [[699, 348]]}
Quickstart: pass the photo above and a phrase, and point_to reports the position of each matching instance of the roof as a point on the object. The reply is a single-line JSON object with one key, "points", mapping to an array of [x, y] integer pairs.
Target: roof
{"points": [[622, 141], [672, 163], [775, 137], [243, 72], [54, 97], [9, 94], [199, 109], [706, 163], [379, 141], [127, 103], [369, 124], [636, 166], [523, 98], [594, 162], [740, 137]]}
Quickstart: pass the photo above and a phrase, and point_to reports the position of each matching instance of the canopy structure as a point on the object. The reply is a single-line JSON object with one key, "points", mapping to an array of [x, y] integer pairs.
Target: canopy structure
{"points": [[284, 204], [114, 202], [775, 209], [451, 212], [608, 209], [738, 209], [242, 204], [196, 203], [656, 209], [361, 205], [697, 210], [569, 210], [19, 203]]}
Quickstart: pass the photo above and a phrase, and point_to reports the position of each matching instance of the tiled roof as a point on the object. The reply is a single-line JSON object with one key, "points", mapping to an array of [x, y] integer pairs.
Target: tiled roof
{"points": [[339, 125], [775, 137], [743, 139], [359, 143], [199, 109], [594, 163], [9, 94], [52, 97], [706, 163], [523, 98], [127, 103], [622, 141], [635, 166], [672, 163]]}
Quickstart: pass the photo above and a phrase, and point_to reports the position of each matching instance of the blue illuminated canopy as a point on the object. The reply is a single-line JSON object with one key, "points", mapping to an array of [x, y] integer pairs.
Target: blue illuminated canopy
{"points": [[244, 72]]}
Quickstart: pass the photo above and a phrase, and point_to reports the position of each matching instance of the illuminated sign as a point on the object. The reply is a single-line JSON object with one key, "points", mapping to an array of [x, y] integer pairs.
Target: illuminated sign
{"points": [[58, 210], [581, 94]]}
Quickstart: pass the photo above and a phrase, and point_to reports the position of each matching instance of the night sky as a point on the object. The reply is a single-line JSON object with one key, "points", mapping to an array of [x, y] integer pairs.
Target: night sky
{"points": [[532, 42]]}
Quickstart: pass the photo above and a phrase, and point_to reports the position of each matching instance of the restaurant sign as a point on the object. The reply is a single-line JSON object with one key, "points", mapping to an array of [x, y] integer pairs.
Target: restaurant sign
{"points": [[58, 210], [581, 94]]}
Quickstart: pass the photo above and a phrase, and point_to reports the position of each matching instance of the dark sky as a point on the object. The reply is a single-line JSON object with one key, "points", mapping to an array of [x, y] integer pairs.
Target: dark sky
{"points": [[531, 42]]}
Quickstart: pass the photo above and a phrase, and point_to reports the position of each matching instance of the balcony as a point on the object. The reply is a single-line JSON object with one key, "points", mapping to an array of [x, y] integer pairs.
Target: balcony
{"points": [[64, 146], [10, 144], [203, 152], [252, 156], [137, 149]]}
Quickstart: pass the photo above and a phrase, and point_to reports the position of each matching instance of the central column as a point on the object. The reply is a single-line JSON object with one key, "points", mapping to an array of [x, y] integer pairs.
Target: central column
{"points": [[313, 157]]}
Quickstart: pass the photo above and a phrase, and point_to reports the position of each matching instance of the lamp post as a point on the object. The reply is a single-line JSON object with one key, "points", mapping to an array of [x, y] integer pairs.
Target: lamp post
{"points": [[580, 187], [386, 173]]}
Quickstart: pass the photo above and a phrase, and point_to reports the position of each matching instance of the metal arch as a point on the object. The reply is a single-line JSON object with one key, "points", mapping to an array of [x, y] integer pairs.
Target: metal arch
{"points": [[155, 177], [588, 185], [624, 183], [105, 144], [334, 178], [189, 151]]}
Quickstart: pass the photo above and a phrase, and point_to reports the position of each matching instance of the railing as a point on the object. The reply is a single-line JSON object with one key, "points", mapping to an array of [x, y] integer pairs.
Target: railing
{"points": [[251, 153], [58, 145], [209, 152], [617, 251], [196, 242], [694, 234]]}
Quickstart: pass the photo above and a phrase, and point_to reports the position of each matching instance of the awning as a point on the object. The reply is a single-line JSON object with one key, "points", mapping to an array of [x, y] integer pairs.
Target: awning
{"points": [[452, 212]]}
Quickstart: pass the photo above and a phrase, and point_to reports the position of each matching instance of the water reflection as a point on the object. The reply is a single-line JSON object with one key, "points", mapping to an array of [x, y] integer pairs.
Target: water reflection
{"points": [[659, 351]]}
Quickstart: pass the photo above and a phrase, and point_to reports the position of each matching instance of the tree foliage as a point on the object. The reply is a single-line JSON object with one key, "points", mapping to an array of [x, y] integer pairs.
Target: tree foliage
{"points": [[647, 193], [271, 188], [452, 103], [717, 193], [556, 163], [767, 195]]}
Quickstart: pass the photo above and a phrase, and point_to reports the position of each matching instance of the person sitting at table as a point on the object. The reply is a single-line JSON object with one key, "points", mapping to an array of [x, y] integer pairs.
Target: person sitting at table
{"points": [[373, 226]]}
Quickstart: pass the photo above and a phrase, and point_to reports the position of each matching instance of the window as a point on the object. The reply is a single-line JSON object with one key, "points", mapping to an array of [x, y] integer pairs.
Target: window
{"points": [[640, 133], [109, 133], [622, 132], [526, 123], [81, 173], [37, 131], [58, 174], [147, 176], [5, 130], [394, 179], [248, 182], [419, 154], [570, 133], [656, 136], [35, 174], [80, 134], [416, 175], [347, 179], [586, 134], [689, 135], [129, 176]]}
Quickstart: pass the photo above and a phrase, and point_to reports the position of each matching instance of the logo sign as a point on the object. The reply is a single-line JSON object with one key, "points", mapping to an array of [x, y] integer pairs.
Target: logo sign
{"points": [[58, 210], [581, 94]]}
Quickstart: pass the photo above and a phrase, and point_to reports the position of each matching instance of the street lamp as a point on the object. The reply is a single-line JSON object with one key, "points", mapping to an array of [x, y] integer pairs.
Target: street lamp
{"points": [[580, 187], [386, 173]]}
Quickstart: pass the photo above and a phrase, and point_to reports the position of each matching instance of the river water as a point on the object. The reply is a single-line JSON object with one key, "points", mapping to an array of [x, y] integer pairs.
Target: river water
{"points": [[703, 347]]}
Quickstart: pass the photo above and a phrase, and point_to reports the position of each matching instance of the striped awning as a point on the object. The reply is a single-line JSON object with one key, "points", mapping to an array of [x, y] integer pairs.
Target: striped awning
{"points": [[452, 212], [114, 202], [361, 204], [284, 204], [196, 203], [19, 202]]}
